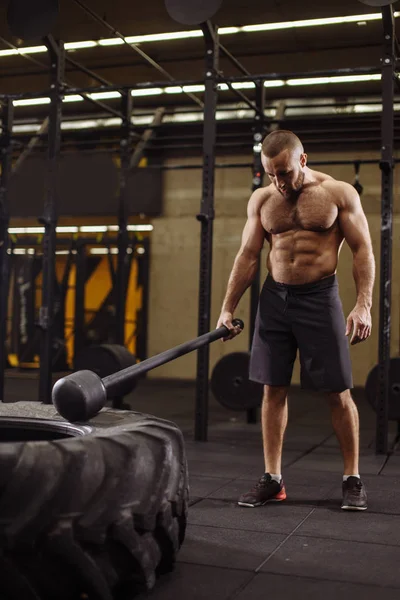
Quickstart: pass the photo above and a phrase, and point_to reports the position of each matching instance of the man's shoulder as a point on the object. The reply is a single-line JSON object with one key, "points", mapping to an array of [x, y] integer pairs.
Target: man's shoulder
{"points": [[257, 200], [261, 195], [341, 191]]}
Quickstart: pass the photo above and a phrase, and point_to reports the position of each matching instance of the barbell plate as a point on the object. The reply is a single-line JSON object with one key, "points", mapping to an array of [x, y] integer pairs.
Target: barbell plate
{"points": [[371, 388], [192, 12], [231, 385], [377, 2], [106, 359]]}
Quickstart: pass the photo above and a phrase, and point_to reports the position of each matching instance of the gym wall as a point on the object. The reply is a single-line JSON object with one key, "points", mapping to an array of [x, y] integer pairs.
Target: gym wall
{"points": [[87, 186], [174, 264]]}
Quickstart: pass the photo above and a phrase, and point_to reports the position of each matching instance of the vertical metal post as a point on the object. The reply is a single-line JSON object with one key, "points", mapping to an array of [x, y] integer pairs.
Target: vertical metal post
{"points": [[6, 164], [123, 235], [49, 219], [258, 176], [206, 218], [79, 305], [143, 314], [387, 166]]}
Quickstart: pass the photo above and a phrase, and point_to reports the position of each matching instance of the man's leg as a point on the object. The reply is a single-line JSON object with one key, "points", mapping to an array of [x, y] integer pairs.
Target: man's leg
{"points": [[274, 417], [346, 425], [345, 422]]}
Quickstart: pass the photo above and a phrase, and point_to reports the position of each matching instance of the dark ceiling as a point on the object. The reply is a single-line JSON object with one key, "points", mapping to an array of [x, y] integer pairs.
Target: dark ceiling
{"points": [[305, 49]]}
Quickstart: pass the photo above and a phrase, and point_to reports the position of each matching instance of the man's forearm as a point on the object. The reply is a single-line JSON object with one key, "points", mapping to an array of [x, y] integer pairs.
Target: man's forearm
{"points": [[364, 276], [243, 272]]}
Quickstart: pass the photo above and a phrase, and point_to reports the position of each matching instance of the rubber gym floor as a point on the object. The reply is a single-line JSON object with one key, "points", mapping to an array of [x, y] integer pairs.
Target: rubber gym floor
{"points": [[303, 547]]}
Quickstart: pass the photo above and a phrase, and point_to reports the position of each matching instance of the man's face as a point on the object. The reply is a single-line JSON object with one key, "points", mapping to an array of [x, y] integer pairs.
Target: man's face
{"points": [[286, 171]]}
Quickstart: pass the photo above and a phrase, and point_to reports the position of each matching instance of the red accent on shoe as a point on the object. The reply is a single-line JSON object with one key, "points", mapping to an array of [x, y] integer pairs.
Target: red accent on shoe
{"points": [[281, 495]]}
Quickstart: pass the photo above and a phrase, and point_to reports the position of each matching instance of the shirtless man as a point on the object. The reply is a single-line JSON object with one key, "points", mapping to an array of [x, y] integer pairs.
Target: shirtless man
{"points": [[305, 215]]}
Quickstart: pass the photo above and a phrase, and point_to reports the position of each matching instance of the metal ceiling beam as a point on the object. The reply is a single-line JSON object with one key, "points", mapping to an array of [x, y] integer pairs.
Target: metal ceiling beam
{"points": [[134, 47], [66, 83], [180, 83]]}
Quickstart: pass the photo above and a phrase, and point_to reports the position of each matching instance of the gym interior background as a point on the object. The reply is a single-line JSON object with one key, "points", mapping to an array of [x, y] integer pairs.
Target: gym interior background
{"points": [[338, 121], [322, 69]]}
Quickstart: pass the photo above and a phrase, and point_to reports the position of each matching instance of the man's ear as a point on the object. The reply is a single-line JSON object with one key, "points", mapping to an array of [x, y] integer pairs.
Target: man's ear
{"points": [[303, 160]]}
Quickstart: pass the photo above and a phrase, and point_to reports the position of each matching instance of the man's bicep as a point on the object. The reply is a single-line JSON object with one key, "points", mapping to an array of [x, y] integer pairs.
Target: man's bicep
{"points": [[253, 236], [353, 223]]}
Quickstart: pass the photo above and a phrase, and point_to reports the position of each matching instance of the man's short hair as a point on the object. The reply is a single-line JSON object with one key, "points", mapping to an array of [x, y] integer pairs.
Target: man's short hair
{"points": [[278, 141]]}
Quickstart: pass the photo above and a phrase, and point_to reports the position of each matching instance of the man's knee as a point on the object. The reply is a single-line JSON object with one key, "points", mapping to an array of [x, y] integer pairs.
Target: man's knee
{"points": [[275, 393], [340, 398]]}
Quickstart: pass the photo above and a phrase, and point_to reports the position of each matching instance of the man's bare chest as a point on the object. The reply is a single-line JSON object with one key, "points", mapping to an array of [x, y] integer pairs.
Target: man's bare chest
{"points": [[308, 212]]}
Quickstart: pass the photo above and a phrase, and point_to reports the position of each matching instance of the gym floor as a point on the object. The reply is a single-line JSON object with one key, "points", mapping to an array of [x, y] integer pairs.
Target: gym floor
{"points": [[303, 547]]}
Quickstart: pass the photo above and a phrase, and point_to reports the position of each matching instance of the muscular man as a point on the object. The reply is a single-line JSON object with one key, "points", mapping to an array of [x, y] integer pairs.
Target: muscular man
{"points": [[305, 215]]}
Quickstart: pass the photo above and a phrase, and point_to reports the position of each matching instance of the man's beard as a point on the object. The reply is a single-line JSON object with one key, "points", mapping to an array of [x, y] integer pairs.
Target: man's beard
{"points": [[293, 190], [299, 183]]}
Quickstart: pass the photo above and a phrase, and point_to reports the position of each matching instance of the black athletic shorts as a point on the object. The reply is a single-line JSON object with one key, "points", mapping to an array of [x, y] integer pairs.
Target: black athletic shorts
{"points": [[308, 318]]}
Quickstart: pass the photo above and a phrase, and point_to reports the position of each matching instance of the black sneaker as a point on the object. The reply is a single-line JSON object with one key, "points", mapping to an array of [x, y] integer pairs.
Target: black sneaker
{"points": [[354, 494], [265, 490]]}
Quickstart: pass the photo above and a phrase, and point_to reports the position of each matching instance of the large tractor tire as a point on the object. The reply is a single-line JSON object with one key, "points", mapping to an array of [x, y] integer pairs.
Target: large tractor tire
{"points": [[94, 511]]}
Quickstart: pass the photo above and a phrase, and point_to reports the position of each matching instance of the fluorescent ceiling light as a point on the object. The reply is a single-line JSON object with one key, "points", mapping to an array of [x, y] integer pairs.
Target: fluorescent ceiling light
{"points": [[247, 85], [105, 95], [103, 250], [26, 230], [22, 51], [140, 227], [143, 120], [75, 125], [244, 85], [224, 115], [67, 230], [223, 87], [274, 83], [31, 50], [341, 79], [20, 251], [31, 101], [187, 89], [8, 52], [26, 128], [93, 228], [367, 108], [161, 37], [82, 229], [73, 98], [312, 22], [46, 100], [148, 92], [229, 30], [111, 42], [91, 123], [186, 117], [176, 89], [80, 45]]}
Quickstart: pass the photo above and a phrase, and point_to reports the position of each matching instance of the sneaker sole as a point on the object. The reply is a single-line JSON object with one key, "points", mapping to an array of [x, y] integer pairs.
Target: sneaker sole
{"points": [[261, 503], [354, 507]]}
